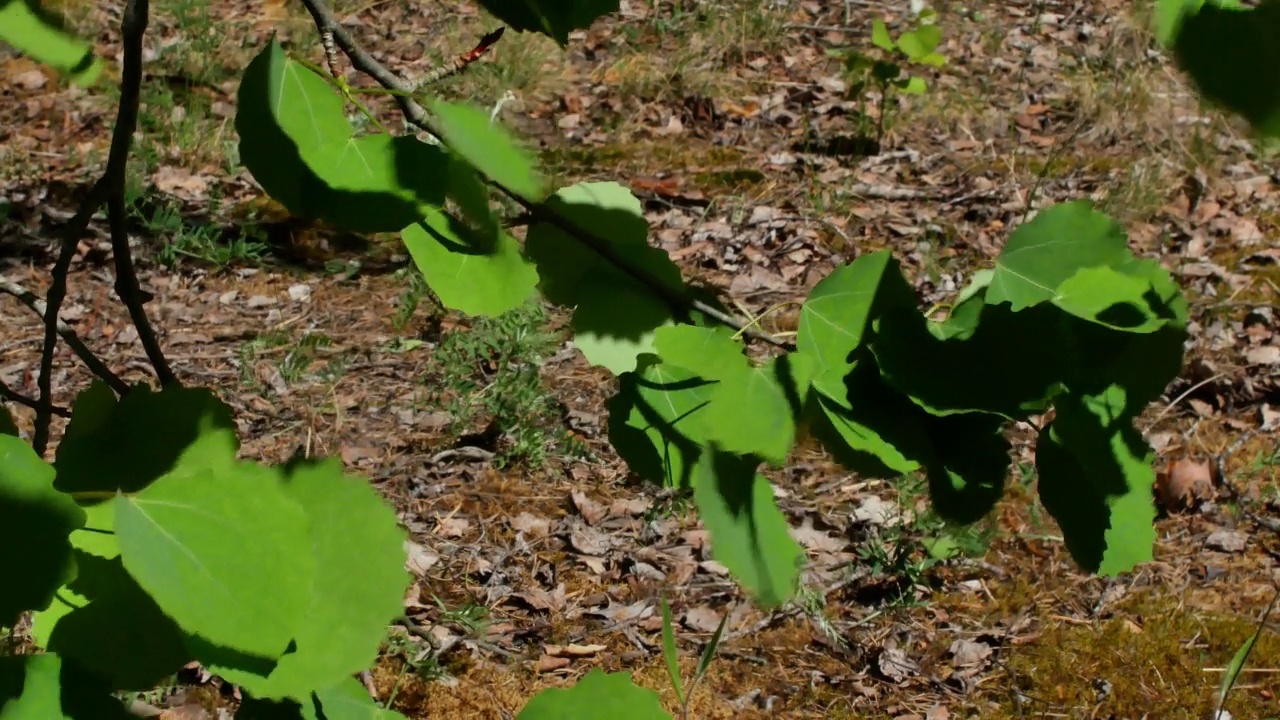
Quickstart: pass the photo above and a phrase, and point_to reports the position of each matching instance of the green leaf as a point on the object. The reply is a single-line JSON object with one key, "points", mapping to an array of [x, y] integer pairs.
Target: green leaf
{"points": [[346, 700], [612, 337], [123, 446], [749, 534], [880, 36], [1096, 480], [711, 353], [36, 522], [43, 687], [656, 422], [919, 43], [221, 548], [1010, 364], [596, 695], [609, 211], [490, 149], [103, 620], [709, 652], [871, 428], [34, 31], [7, 425], [553, 18], [1056, 244], [468, 271], [359, 584], [1232, 55], [913, 85], [754, 411], [1111, 298], [836, 317], [297, 142]]}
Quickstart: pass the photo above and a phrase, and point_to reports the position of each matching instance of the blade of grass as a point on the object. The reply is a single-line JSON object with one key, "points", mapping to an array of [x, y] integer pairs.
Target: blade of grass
{"points": [[1237, 662], [669, 650]]}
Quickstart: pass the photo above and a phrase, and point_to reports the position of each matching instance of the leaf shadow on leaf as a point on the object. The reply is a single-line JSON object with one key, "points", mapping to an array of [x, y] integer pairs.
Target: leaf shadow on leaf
{"points": [[138, 440], [671, 464], [278, 165], [885, 420], [119, 633], [735, 478], [481, 241], [970, 465], [1233, 58], [1009, 365], [50, 687], [1080, 473], [36, 522], [36, 549]]}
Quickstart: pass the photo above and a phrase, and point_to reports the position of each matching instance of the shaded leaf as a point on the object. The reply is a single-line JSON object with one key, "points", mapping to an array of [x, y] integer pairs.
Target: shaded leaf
{"points": [[656, 422], [616, 321], [36, 522], [45, 687], [553, 18], [1231, 53], [124, 446], [1096, 480], [749, 534], [297, 142]]}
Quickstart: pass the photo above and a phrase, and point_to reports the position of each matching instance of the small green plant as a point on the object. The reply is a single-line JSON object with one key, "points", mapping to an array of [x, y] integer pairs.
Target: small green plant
{"points": [[885, 72], [489, 375], [410, 298], [672, 657], [903, 552]]}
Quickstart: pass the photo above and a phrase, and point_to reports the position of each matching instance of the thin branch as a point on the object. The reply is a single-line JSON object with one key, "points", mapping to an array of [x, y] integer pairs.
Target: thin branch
{"points": [[12, 396], [82, 351], [133, 27], [680, 301]]}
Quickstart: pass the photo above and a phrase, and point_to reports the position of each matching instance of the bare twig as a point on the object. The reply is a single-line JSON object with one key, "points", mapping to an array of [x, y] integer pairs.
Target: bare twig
{"points": [[108, 189], [132, 28], [8, 394], [41, 308], [680, 300]]}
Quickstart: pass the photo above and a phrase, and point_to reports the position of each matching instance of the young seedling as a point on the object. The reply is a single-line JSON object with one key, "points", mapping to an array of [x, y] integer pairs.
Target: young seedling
{"points": [[673, 660], [886, 72]]}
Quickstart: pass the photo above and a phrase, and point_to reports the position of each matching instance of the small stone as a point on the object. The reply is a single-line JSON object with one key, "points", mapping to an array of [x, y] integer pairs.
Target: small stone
{"points": [[261, 301], [300, 293], [1228, 541]]}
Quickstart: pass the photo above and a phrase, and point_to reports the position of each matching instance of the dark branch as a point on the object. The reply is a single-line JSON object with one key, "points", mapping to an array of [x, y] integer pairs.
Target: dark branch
{"points": [[8, 394], [680, 301], [82, 351], [133, 27]]}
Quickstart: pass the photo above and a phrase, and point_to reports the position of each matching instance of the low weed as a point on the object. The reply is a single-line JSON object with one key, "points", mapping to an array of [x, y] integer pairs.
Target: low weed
{"points": [[901, 553], [489, 377]]}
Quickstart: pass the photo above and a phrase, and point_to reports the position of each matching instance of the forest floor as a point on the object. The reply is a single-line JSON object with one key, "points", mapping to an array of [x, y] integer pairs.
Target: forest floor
{"points": [[536, 556]]}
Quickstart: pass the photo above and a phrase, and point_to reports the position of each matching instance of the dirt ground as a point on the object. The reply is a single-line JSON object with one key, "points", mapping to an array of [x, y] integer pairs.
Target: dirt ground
{"points": [[537, 558]]}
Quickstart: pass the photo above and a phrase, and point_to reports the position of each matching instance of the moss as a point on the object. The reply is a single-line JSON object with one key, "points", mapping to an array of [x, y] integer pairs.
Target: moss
{"points": [[1155, 651]]}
